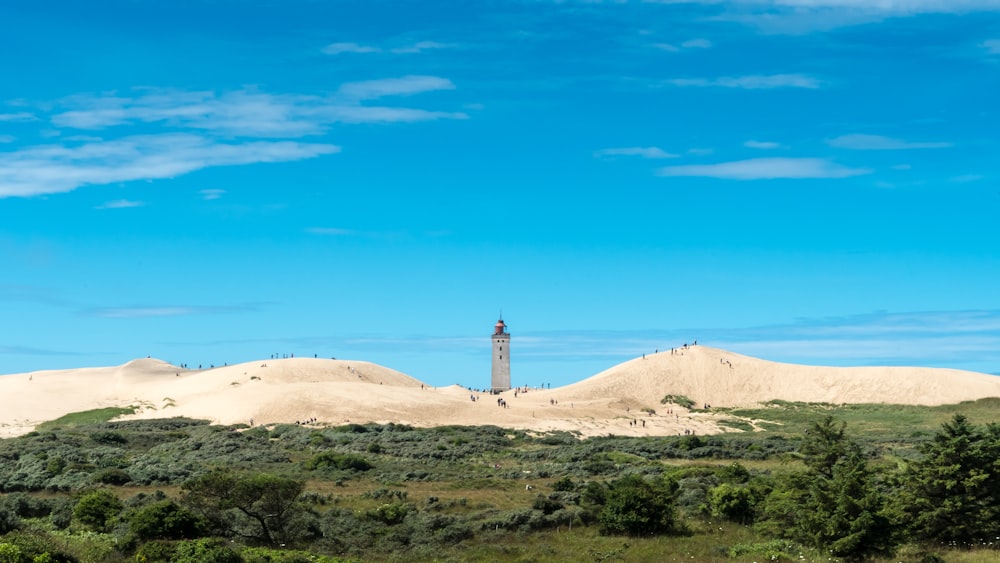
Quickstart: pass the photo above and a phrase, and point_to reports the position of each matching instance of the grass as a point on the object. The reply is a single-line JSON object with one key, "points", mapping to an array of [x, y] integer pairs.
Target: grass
{"points": [[84, 418]]}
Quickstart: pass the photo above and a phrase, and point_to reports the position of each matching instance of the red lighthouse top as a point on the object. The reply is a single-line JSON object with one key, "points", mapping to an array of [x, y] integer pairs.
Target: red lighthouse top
{"points": [[500, 328]]}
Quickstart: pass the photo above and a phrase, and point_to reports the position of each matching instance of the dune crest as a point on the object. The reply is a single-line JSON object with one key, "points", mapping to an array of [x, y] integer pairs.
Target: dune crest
{"points": [[341, 391]]}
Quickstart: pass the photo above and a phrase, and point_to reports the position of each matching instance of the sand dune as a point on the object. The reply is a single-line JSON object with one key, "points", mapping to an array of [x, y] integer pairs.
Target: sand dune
{"points": [[341, 391]]}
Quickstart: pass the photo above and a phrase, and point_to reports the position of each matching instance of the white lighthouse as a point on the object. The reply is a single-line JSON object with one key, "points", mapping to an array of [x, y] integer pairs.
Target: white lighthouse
{"points": [[500, 380]]}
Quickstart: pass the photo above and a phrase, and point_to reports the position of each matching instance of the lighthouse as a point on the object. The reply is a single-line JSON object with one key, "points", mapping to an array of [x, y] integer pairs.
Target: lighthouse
{"points": [[500, 380]]}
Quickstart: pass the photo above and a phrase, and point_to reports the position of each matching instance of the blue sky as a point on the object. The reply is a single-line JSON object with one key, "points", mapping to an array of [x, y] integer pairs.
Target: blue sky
{"points": [[213, 181]]}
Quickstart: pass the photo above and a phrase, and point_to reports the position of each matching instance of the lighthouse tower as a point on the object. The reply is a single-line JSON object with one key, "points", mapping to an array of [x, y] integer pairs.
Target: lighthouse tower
{"points": [[500, 380]]}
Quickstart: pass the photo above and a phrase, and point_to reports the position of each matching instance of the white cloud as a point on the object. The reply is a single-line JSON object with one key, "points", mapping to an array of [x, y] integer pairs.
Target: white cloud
{"points": [[252, 113], [802, 16], [195, 130], [420, 46], [211, 193], [877, 142], [766, 169], [19, 116], [413, 48], [992, 46], [48, 169], [120, 204], [763, 145], [901, 167], [338, 48], [666, 47], [689, 44], [403, 86], [7, 139], [644, 152], [696, 44], [752, 82], [171, 311]]}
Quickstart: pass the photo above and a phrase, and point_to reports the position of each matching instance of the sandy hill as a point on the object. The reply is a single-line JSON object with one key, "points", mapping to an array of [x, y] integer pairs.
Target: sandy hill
{"points": [[725, 379], [340, 391]]}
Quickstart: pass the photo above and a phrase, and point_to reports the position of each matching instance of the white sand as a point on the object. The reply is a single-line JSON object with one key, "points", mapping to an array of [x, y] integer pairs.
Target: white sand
{"points": [[341, 391]]}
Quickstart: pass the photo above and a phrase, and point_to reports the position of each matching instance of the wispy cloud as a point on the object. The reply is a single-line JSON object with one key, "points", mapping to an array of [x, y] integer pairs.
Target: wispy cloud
{"points": [[19, 116], [195, 130], [803, 16], [992, 46], [878, 142], [140, 312], [212, 193], [119, 204], [751, 82], [252, 113], [763, 145], [55, 169], [696, 44], [909, 338], [402, 86], [689, 44], [340, 48], [643, 152], [411, 48], [7, 138], [766, 169]]}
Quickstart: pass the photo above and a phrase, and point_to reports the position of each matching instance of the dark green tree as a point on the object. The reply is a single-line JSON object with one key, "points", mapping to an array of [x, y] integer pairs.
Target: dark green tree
{"points": [[952, 494], [229, 499], [825, 444], [164, 520], [636, 507], [846, 513], [97, 509], [836, 504]]}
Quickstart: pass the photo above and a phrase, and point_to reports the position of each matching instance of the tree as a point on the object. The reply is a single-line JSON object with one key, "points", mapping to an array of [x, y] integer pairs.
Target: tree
{"points": [[96, 509], [952, 494], [824, 445], [846, 513], [637, 507], [164, 520], [229, 499], [835, 505]]}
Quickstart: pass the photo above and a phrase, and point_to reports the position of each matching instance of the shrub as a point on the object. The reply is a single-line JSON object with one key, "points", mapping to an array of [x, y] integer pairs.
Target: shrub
{"points": [[112, 476], [564, 484], [164, 520], [156, 552], [334, 460], [637, 507], [679, 400], [207, 550], [96, 509]]}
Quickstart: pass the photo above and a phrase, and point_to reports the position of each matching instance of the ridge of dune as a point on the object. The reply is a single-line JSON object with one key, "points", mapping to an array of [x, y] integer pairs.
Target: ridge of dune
{"points": [[329, 391], [725, 379]]}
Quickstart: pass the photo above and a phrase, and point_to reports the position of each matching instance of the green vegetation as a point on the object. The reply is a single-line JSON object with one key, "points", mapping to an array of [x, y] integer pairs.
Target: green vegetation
{"points": [[679, 400], [820, 483], [86, 418]]}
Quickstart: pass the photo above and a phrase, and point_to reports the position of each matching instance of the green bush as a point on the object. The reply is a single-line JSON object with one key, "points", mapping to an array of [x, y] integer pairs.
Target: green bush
{"points": [[97, 509], [207, 550], [112, 476], [155, 552], [637, 507], [164, 520], [332, 460]]}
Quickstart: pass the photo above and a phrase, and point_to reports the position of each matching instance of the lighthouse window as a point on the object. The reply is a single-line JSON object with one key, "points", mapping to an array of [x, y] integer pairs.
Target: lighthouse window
{"points": [[501, 356]]}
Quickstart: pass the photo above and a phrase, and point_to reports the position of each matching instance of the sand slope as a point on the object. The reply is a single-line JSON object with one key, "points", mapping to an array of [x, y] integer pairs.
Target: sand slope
{"points": [[341, 391]]}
